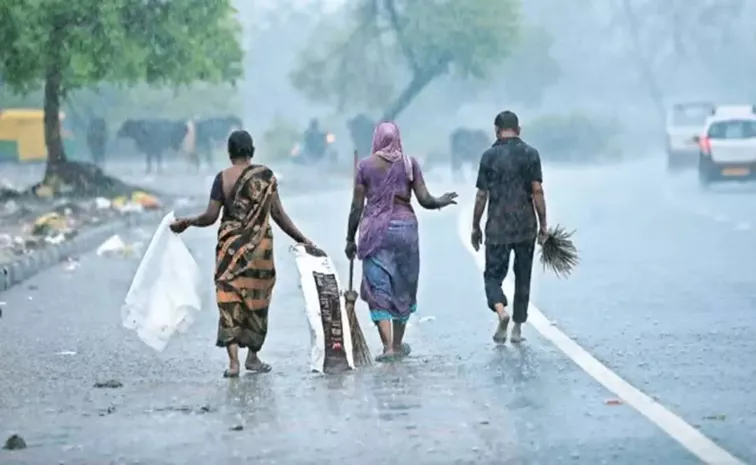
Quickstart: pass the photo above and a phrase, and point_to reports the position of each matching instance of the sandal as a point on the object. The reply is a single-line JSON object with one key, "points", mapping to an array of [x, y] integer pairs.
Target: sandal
{"points": [[231, 373], [405, 349], [260, 367]]}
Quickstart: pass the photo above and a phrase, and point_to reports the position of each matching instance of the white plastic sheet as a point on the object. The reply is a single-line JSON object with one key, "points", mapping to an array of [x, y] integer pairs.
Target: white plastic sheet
{"points": [[330, 334], [165, 293]]}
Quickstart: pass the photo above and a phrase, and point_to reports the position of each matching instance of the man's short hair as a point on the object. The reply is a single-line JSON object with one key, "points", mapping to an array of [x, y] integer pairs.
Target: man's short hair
{"points": [[507, 120]]}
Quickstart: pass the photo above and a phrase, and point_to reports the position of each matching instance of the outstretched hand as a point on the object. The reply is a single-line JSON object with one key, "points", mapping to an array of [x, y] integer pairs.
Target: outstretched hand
{"points": [[447, 199]]}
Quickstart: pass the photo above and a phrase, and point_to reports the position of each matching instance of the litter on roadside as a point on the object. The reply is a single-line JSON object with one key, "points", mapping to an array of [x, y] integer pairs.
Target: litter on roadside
{"points": [[113, 246]]}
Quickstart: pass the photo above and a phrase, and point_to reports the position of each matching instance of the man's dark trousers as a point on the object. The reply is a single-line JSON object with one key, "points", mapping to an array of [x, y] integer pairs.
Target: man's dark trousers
{"points": [[497, 265]]}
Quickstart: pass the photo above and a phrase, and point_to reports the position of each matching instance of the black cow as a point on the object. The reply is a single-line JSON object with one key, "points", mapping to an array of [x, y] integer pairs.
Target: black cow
{"points": [[466, 147], [361, 130], [153, 137], [212, 132]]}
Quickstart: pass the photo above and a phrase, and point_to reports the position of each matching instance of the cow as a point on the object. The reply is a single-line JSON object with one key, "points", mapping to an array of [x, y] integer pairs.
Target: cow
{"points": [[466, 146], [211, 132], [153, 137]]}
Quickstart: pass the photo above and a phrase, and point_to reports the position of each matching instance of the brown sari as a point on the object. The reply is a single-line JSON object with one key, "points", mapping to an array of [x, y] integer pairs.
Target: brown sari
{"points": [[245, 272]]}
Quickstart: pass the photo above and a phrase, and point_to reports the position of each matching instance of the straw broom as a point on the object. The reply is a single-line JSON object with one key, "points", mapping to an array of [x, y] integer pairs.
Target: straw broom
{"points": [[558, 252], [360, 349]]}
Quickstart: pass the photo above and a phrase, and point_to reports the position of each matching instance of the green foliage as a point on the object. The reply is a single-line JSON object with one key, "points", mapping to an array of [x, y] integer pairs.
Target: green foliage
{"points": [[354, 57], [472, 35], [89, 41], [345, 69], [573, 137]]}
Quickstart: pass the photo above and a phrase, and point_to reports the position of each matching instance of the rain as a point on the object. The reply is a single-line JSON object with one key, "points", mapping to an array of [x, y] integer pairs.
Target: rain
{"points": [[115, 118]]}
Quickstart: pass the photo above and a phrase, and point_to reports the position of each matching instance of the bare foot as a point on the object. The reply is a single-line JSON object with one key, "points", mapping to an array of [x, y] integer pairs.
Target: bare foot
{"points": [[500, 336], [517, 334]]}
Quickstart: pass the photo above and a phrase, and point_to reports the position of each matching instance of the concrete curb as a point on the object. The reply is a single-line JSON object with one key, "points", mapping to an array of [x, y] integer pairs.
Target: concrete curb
{"points": [[24, 268]]}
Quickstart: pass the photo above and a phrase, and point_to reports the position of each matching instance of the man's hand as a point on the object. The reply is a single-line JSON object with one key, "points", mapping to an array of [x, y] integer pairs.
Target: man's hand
{"points": [[543, 233], [476, 238]]}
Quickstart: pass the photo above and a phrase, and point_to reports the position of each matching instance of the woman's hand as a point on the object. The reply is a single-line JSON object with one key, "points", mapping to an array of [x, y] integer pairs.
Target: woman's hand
{"points": [[313, 249], [180, 225], [447, 199], [350, 250]]}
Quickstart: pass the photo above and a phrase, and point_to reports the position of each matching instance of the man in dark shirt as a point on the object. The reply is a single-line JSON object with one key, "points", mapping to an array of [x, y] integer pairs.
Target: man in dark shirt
{"points": [[510, 182], [315, 143]]}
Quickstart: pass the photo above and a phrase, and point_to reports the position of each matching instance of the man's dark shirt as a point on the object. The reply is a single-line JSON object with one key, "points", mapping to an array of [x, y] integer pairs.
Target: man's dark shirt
{"points": [[506, 172]]}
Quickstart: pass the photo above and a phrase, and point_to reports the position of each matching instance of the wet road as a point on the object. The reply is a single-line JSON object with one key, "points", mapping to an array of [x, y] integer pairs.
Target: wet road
{"points": [[664, 298]]}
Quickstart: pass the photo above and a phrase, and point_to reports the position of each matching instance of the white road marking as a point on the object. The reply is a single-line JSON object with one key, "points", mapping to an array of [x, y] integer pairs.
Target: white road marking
{"points": [[688, 436]]}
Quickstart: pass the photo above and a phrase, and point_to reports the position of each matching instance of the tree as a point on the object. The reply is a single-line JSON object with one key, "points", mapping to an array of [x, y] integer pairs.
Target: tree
{"points": [[355, 66], [686, 38], [65, 45]]}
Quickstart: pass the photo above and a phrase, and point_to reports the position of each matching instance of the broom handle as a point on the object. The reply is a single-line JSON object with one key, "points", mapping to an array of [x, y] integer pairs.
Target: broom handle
{"points": [[351, 260], [351, 274]]}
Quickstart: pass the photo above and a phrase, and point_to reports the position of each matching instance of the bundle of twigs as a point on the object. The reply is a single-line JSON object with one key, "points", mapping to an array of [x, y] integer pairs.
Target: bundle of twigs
{"points": [[558, 252], [360, 349]]}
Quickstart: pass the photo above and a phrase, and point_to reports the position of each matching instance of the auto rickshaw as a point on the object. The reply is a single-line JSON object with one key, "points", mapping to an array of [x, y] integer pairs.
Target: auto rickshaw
{"points": [[22, 136]]}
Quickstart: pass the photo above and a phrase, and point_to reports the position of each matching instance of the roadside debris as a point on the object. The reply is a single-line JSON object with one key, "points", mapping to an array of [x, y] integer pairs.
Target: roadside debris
{"points": [[71, 264], [109, 384], [613, 402], [15, 442], [114, 246], [31, 223]]}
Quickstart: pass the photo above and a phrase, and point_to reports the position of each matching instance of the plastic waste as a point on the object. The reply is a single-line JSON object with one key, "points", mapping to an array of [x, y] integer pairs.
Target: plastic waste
{"points": [[165, 294], [113, 246]]}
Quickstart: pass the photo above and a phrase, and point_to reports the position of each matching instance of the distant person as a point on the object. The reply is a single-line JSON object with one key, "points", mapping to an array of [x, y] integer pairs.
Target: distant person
{"points": [[97, 140], [245, 271], [315, 143], [510, 182], [388, 247], [361, 129]]}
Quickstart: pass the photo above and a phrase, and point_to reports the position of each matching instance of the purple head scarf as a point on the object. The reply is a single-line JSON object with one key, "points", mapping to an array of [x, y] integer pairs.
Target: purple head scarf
{"points": [[387, 144]]}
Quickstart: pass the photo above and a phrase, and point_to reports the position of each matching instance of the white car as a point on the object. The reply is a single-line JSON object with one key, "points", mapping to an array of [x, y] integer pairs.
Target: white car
{"points": [[727, 145], [684, 122]]}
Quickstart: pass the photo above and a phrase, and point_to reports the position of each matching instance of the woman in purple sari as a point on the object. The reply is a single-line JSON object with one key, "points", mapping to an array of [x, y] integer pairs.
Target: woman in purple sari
{"points": [[388, 245]]}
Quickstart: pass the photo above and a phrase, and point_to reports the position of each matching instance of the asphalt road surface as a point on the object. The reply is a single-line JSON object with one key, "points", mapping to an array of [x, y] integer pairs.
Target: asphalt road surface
{"points": [[663, 304]]}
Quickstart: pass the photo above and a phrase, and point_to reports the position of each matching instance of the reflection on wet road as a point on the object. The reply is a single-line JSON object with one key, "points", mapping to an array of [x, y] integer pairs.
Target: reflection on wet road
{"points": [[664, 298]]}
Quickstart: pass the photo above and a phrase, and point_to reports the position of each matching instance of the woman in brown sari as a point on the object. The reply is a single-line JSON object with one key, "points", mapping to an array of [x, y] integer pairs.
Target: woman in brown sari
{"points": [[245, 272]]}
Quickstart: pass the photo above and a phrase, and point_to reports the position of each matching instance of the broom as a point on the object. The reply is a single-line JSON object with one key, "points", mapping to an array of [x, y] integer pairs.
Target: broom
{"points": [[360, 349], [558, 252]]}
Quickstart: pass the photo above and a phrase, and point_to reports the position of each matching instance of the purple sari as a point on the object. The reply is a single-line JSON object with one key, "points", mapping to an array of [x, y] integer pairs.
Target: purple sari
{"points": [[388, 241]]}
